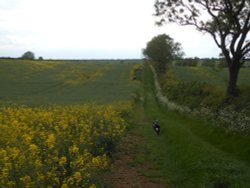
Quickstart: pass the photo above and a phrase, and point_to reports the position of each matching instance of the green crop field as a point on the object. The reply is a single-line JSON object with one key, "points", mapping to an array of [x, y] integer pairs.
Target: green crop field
{"points": [[189, 152], [210, 75], [65, 82]]}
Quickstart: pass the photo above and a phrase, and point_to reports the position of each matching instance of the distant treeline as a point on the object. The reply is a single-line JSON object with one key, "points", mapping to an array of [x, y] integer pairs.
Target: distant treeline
{"points": [[96, 60], [206, 62]]}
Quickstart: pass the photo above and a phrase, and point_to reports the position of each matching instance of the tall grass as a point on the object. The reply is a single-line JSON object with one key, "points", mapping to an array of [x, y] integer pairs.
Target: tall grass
{"points": [[191, 152], [189, 99]]}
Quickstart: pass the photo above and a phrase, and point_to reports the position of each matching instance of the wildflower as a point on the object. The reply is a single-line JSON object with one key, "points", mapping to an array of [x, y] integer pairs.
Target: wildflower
{"points": [[96, 161], [3, 153], [78, 128], [92, 186], [26, 180], [74, 149], [64, 185], [15, 152], [51, 141], [78, 176], [33, 149], [38, 164], [27, 138], [62, 161]]}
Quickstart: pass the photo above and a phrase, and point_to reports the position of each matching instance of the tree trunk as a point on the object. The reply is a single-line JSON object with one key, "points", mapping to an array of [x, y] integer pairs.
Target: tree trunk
{"points": [[233, 77], [162, 67]]}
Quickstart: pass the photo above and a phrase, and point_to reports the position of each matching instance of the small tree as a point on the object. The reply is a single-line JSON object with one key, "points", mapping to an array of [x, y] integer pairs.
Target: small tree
{"points": [[28, 55], [162, 50], [227, 21]]}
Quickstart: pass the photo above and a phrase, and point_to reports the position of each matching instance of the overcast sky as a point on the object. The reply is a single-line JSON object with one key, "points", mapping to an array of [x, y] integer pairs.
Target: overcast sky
{"points": [[85, 29]]}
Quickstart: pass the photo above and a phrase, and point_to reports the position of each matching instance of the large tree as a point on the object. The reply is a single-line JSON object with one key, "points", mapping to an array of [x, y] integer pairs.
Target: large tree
{"points": [[162, 50], [227, 21], [28, 55]]}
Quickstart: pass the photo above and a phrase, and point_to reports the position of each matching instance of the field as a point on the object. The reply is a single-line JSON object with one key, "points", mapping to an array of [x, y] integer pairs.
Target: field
{"points": [[65, 82], [62, 123], [215, 76], [190, 152]]}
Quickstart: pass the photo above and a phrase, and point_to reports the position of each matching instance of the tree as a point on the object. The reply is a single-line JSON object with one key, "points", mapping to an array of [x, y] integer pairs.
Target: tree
{"points": [[227, 21], [28, 55], [162, 49]]}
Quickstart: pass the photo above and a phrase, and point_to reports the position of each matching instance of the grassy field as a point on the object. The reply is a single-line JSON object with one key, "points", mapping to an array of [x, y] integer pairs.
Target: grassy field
{"points": [[65, 82], [209, 75], [51, 133], [67, 144], [201, 86], [189, 152]]}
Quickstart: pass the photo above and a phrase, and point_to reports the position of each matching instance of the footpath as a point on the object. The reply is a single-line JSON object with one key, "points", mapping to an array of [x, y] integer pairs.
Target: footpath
{"points": [[188, 153]]}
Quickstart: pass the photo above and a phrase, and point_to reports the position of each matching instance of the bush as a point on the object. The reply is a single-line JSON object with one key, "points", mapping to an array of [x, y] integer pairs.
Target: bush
{"points": [[208, 62], [191, 94], [190, 62]]}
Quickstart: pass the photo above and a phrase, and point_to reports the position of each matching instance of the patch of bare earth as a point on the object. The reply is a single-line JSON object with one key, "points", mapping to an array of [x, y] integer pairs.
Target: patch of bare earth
{"points": [[126, 172]]}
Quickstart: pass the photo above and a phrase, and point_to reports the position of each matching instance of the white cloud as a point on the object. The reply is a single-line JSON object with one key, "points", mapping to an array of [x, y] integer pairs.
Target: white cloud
{"points": [[116, 27]]}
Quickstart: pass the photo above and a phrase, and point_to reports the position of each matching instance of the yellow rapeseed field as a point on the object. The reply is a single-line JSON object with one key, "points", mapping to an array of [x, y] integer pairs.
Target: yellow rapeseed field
{"points": [[57, 146]]}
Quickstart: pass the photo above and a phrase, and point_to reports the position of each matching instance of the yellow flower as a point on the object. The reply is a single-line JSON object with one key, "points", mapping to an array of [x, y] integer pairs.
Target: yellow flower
{"points": [[78, 176], [33, 148], [5, 172], [27, 138], [26, 180], [38, 164], [74, 149], [96, 161], [51, 141], [80, 125], [3, 153], [62, 161], [15, 152], [64, 186], [92, 186]]}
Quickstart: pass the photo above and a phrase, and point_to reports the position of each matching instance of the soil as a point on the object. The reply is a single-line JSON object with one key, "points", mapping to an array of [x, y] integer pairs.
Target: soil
{"points": [[125, 171]]}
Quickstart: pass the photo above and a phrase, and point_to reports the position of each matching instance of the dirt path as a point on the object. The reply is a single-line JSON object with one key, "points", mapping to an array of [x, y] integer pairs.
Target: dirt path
{"points": [[130, 169]]}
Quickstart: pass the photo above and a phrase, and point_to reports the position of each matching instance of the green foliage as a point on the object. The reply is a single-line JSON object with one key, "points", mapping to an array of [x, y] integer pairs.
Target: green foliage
{"points": [[242, 103], [192, 152], [28, 55], [192, 94], [162, 49], [208, 63], [189, 62], [222, 64], [227, 21]]}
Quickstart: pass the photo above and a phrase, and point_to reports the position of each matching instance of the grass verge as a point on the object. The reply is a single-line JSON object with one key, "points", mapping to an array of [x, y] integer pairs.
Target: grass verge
{"points": [[189, 152]]}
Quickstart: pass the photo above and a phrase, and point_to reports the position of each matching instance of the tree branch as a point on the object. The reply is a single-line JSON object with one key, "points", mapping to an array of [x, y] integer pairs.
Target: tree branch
{"points": [[245, 31], [246, 49]]}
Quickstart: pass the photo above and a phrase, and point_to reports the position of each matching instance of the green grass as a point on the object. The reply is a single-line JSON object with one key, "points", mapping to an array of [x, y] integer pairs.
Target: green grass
{"points": [[188, 153], [191, 152], [210, 75], [65, 82], [204, 86]]}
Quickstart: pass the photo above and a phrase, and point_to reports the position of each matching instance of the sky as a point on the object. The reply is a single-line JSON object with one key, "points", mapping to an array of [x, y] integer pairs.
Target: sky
{"points": [[85, 29]]}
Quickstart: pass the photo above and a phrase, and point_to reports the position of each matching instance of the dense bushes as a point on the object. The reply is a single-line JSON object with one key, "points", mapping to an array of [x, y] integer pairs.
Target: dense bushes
{"points": [[189, 62], [207, 101], [191, 94]]}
